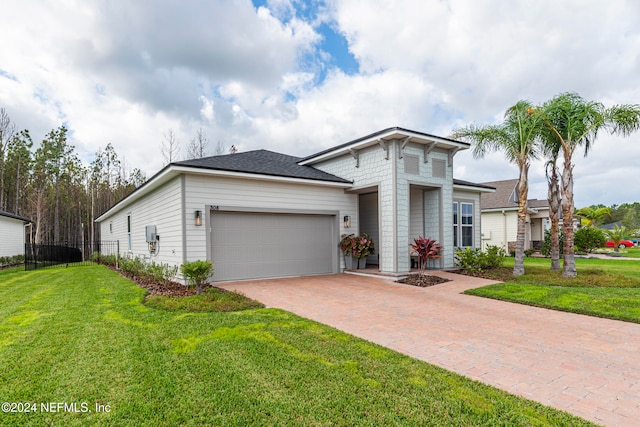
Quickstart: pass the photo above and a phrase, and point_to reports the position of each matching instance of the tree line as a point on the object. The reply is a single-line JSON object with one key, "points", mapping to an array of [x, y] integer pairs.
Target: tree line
{"points": [[626, 214], [553, 131], [50, 185]]}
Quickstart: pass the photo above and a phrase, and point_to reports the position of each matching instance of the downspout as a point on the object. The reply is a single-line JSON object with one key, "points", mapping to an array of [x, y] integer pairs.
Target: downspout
{"points": [[504, 230], [183, 208]]}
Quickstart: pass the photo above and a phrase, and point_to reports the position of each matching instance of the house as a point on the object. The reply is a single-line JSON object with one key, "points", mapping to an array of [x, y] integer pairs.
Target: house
{"points": [[264, 214], [500, 217], [12, 234]]}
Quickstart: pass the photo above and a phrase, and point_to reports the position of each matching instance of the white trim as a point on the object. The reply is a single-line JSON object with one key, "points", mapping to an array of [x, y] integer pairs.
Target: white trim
{"points": [[474, 189], [511, 209], [392, 134]]}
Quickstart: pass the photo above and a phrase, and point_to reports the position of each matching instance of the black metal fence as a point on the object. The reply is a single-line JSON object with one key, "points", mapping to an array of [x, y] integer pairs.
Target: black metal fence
{"points": [[45, 255]]}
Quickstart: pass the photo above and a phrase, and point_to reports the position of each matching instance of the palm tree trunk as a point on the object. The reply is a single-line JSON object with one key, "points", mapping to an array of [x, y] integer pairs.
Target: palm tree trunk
{"points": [[569, 264], [554, 207], [523, 192]]}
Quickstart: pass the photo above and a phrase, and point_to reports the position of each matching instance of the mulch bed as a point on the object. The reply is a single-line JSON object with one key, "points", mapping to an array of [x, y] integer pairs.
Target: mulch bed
{"points": [[167, 289], [423, 282]]}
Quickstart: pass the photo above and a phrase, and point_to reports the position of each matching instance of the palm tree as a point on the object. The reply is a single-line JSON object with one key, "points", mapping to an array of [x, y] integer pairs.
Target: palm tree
{"points": [[516, 137], [616, 235], [551, 148], [553, 197], [576, 123], [591, 216]]}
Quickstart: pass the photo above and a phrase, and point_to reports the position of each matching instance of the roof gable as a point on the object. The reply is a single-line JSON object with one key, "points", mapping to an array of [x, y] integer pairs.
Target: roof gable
{"points": [[506, 196]]}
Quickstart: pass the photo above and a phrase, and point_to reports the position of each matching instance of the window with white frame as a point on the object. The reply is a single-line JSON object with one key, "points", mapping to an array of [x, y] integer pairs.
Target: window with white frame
{"points": [[462, 224], [466, 224], [129, 232], [455, 224]]}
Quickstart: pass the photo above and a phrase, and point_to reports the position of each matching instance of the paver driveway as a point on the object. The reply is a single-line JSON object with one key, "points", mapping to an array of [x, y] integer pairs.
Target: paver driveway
{"points": [[584, 365]]}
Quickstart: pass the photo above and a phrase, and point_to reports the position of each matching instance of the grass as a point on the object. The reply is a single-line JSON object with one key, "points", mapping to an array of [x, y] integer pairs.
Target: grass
{"points": [[633, 252], [603, 288], [212, 299], [82, 335]]}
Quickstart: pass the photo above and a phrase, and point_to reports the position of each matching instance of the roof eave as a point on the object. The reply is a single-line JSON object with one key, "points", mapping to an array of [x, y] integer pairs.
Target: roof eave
{"points": [[385, 135], [16, 217], [474, 188]]}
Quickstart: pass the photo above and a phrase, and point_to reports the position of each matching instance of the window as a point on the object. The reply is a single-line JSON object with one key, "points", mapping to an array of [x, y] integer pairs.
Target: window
{"points": [[462, 224], [455, 224], [466, 216], [129, 232], [110, 227]]}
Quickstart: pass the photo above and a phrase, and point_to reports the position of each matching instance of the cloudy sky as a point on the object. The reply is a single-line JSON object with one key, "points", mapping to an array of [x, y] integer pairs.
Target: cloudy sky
{"points": [[300, 76]]}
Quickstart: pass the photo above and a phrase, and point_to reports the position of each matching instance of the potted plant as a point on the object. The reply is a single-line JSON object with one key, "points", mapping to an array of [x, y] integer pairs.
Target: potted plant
{"points": [[347, 243], [362, 248]]}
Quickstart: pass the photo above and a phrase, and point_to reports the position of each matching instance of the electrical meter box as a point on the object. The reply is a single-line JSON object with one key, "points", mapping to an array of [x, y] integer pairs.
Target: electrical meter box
{"points": [[151, 233]]}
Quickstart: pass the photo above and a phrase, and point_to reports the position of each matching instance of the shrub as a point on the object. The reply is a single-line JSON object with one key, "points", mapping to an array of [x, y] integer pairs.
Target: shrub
{"points": [[99, 258], [529, 252], [137, 267], [494, 256], [426, 249], [6, 261], [197, 272], [475, 260], [161, 272], [133, 266], [546, 243], [587, 239]]}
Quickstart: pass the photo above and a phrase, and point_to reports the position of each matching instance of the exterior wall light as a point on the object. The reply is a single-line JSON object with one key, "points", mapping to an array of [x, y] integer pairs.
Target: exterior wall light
{"points": [[198, 218], [346, 221]]}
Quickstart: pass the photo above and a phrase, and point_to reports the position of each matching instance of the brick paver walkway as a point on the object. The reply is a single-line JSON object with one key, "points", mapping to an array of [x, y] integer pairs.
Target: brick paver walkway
{"points": [[584, 365]]}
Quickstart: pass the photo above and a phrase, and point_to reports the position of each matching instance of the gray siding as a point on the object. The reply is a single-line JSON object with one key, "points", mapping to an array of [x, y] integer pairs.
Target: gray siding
{"points": [[161, 208], [204, 191], [474, 198]]}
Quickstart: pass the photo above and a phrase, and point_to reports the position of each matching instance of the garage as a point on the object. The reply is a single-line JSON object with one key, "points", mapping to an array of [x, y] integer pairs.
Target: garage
{"points": [[248, 245]]}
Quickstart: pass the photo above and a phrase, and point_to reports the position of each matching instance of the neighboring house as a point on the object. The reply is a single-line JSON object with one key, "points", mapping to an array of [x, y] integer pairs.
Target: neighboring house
{"points": [[12, 234], [500, 217], [264, 214]]}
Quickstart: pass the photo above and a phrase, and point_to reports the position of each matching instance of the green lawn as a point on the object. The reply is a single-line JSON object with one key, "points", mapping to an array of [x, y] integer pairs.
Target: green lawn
{"points": [[82, 336], [603, 288], [633, 252]]}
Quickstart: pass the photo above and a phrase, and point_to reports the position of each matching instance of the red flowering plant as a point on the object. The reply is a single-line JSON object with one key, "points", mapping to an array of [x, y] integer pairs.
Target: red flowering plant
{"points": [[426, 249], [363, 246], [347, 243]]}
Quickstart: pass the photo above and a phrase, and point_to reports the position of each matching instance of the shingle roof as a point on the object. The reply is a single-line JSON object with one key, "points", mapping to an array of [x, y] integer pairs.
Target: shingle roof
{"points": [[500, 199], [262, 162], [471, 184], [10, 215]]}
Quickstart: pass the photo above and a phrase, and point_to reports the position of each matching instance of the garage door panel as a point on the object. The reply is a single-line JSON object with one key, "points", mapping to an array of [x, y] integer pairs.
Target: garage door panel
{"points": [[253, 245]]}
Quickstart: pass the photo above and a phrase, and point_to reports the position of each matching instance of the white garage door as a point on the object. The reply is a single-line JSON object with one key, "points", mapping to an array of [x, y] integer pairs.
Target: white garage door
{"points": [[255, 245]]}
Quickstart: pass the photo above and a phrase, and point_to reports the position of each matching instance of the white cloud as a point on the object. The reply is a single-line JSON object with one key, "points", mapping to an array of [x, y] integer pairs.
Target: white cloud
{"points": [[126, 72]]}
